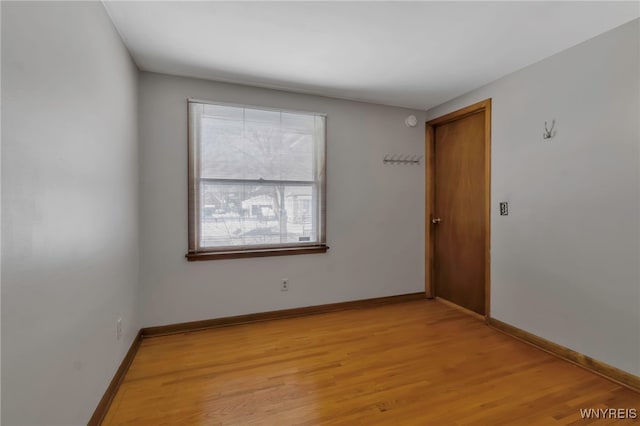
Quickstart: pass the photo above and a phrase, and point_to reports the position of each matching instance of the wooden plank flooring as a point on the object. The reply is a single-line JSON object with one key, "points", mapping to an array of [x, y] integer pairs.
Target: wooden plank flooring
{"points": [[413, 363]]}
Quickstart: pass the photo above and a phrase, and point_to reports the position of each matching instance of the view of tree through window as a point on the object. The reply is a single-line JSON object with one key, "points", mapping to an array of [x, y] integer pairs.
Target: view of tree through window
{"points": [[258, 176]]}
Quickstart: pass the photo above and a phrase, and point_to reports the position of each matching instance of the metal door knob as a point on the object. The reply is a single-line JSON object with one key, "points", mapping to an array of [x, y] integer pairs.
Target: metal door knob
{"points": [[435, 220]]}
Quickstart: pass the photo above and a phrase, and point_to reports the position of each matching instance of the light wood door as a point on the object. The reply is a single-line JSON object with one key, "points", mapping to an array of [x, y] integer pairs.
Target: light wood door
{"points": [[459, 214]]}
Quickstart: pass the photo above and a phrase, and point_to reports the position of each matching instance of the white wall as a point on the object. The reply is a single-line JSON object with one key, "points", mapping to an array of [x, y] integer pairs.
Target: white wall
{"points": [[69, 209], [0, 217], [375, 219], [564, 263]]}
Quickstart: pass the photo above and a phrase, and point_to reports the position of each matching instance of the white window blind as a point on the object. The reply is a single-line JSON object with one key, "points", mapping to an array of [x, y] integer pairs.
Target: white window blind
{"points": [[257, 178]]}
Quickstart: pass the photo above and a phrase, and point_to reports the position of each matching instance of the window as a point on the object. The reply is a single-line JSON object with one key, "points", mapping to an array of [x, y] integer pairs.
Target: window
{"points": [[257, 181]]}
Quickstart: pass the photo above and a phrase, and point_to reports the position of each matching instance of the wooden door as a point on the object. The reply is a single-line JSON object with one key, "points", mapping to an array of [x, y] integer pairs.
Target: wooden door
{"points": [[460, 211]]}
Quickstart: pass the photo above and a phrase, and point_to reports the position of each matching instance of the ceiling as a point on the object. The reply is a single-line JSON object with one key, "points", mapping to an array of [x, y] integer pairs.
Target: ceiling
{"points": [[411, 54]]}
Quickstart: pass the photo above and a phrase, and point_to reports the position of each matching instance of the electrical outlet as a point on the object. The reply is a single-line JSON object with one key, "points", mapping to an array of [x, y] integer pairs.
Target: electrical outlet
{"points": [[284, 286], [504, 209], [119, 329]]}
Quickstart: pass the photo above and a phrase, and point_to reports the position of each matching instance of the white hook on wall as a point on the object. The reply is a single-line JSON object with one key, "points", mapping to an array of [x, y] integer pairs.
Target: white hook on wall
{"points": [[549, 133]]}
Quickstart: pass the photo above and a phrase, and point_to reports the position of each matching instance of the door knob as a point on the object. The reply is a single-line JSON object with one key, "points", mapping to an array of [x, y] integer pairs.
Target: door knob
{"points": [[435, 220]]}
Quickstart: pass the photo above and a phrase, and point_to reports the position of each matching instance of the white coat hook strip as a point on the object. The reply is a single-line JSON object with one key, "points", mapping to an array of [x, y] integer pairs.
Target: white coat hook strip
{"points": [[402, 159]]}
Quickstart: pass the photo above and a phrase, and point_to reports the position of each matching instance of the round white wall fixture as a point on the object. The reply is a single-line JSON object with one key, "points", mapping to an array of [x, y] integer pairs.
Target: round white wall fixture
{"points": [[411, 121]]}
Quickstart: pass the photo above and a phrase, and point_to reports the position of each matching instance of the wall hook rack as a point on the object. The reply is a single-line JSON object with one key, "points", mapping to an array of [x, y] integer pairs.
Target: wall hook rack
{"points": [[401, 159], [549, 133]]}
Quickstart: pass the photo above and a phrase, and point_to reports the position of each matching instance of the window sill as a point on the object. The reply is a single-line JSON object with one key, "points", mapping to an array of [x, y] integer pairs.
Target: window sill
{"points": [[240, 254]]}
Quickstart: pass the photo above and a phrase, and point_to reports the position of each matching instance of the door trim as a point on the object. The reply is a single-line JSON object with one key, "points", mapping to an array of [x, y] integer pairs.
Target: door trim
{"points": [[431, 125]]}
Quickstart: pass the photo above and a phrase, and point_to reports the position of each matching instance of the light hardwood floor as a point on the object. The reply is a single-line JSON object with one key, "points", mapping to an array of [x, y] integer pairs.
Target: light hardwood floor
{"points": [[412, 363]]}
